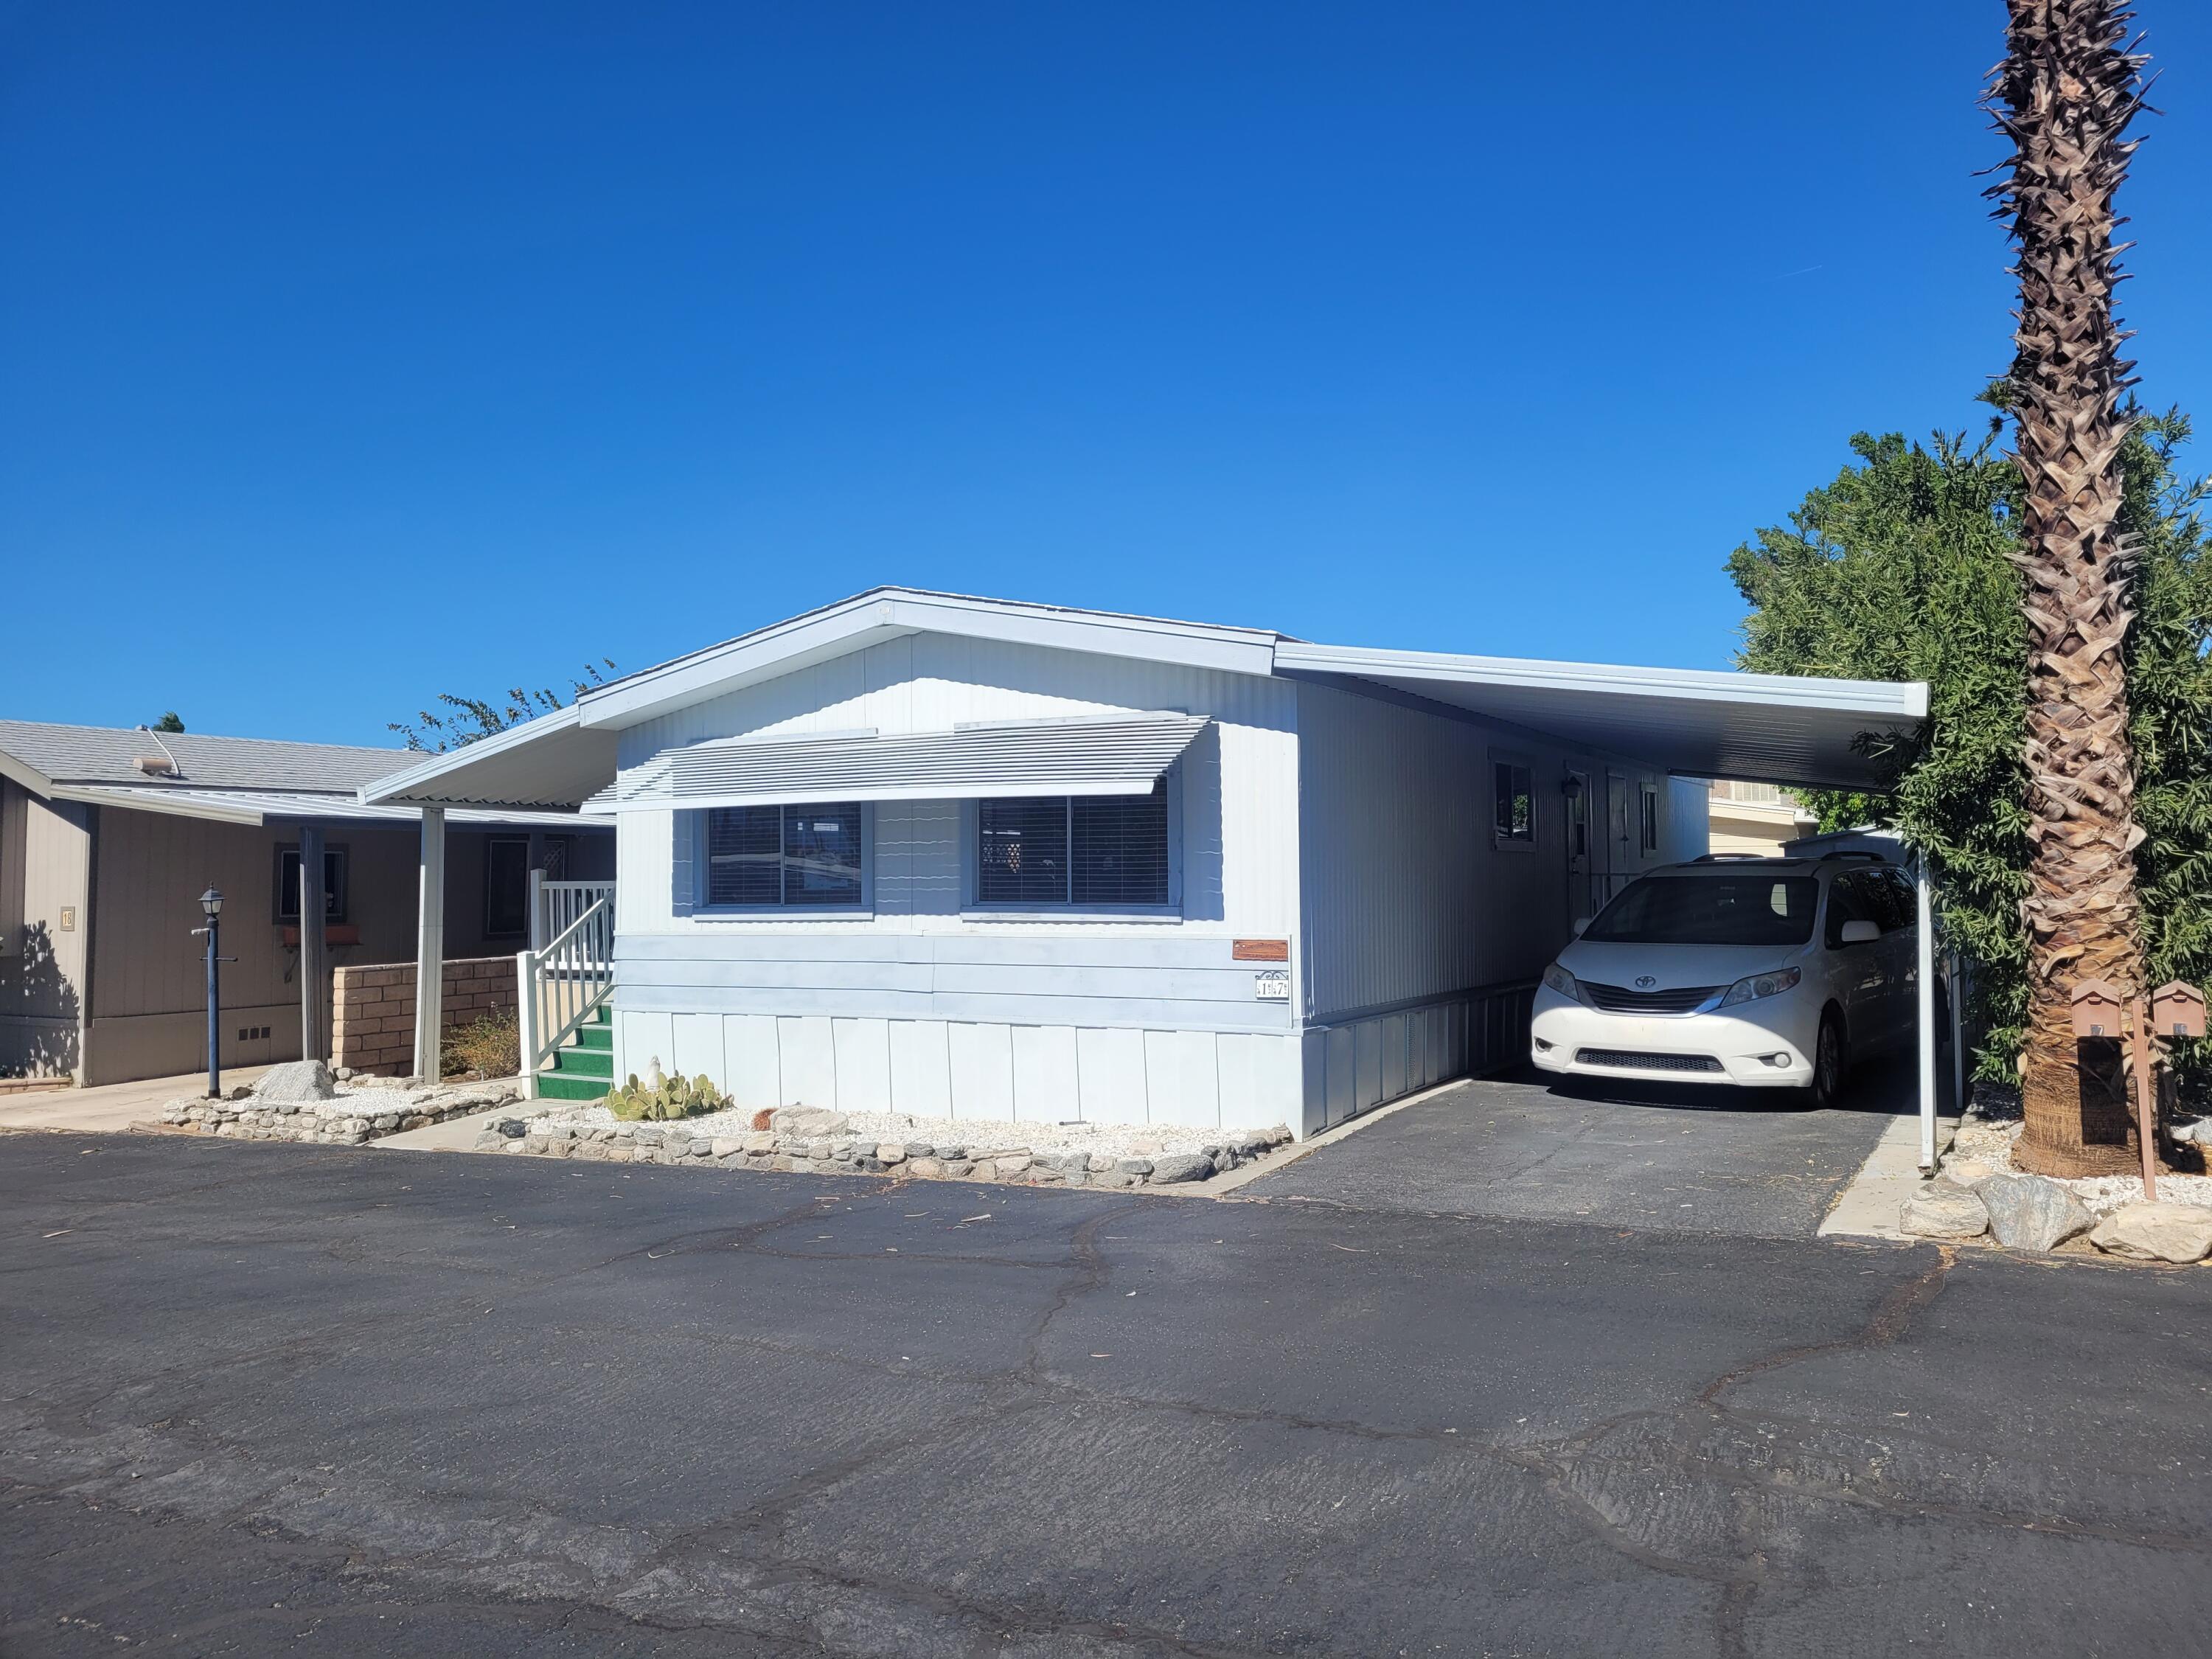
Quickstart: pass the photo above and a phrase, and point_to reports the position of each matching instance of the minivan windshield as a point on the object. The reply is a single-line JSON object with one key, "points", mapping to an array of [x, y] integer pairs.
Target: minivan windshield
{"points": [[1715, 910]]}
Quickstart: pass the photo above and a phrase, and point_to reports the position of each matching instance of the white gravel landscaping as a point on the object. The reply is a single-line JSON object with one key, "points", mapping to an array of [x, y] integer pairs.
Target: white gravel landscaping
{"points": [[1983, 1146], [809, 1141], [982, 1137]]}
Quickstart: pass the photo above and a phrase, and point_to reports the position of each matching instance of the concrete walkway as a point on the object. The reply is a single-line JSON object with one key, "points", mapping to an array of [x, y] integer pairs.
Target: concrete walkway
{"points": [[111, 1107], [1867, 1207]]}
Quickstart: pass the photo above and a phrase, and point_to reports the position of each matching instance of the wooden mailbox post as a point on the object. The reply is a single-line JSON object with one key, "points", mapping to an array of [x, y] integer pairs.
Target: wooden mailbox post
{"points": [[2174, 1010]]}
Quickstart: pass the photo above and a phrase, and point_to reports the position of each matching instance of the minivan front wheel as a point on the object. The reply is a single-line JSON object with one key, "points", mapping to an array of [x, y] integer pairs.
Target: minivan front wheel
{"points": [[1829, 1060]]}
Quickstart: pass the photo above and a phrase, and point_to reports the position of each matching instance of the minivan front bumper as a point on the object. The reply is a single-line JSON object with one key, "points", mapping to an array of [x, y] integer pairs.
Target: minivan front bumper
{"points": [[1773, 1050]]}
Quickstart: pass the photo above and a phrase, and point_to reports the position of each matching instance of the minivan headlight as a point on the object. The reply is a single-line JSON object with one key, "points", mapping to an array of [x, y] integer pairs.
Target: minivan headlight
{"points": [[1559, 979], [1762, 985]]}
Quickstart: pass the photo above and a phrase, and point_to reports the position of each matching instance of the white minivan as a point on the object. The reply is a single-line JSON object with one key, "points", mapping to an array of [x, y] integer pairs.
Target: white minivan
{"points": [[1760, 972]]}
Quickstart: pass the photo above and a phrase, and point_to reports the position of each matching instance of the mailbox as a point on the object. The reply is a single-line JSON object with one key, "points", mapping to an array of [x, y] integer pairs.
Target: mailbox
{"points": [[2178, 1010], [2096, 1010]]}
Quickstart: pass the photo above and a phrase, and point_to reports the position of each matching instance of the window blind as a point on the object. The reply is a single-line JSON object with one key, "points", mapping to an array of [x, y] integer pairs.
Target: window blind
{"points": [[1100, 850], [784, 855], [1022, 855], [1119, 854]]}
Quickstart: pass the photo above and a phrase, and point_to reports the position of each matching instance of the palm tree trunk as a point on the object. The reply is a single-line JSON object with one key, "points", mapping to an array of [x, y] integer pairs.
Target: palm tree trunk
{"points": [[2064, 95]]}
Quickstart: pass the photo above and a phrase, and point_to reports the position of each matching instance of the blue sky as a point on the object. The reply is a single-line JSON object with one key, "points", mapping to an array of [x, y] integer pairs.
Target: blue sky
{"points": [[351, 355]]}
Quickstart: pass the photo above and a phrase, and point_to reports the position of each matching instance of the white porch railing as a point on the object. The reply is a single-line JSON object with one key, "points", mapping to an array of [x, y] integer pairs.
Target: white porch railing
{"points": [[563, 981], [555, 905]]}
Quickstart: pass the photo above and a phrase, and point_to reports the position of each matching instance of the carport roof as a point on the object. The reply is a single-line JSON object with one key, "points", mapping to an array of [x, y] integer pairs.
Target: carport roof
{"points": [[1769, 728]]}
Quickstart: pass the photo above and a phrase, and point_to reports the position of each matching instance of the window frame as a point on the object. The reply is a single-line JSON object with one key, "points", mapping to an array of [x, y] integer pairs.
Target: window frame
{"points": [[337, 892], [697, 828], [1647, 825], [974, 907], [1509, 760]]}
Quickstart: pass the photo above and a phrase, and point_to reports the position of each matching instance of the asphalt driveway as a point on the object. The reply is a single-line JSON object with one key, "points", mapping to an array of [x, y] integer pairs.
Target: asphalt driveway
{"points": [[1634, 1155], [257, 1399]]}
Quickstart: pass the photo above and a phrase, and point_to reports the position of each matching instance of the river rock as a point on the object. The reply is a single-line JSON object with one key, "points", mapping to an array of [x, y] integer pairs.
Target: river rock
{"points": [[1181, 1166], [1943, 1211], [808, 1123], [2029, 1212], [296, 1080], [2180, 1233]]}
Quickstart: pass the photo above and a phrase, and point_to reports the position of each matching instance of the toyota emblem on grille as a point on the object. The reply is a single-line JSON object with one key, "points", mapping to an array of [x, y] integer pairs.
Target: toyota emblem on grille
{"points": [[1645, 981]]}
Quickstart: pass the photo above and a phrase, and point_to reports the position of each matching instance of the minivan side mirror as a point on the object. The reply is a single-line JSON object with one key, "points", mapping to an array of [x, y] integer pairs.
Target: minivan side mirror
{"points": [[1581, 922], [1860, 931]]}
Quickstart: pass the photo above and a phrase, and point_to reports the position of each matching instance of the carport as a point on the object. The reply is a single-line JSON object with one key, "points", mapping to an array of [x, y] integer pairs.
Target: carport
{"points": [[1802, 733]]}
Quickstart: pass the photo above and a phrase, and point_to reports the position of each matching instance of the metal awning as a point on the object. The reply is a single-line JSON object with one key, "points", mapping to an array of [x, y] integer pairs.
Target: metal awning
{"points": [[1766, 728], [255, 808], [1114, 756]]}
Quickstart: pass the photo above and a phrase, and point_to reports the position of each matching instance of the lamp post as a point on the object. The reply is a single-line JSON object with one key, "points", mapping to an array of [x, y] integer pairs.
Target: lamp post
{"points": [[211, 907]]}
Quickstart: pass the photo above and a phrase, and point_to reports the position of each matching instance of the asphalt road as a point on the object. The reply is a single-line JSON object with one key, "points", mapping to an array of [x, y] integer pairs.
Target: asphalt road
{"points": [[270, 1399], [1732, 1161]]}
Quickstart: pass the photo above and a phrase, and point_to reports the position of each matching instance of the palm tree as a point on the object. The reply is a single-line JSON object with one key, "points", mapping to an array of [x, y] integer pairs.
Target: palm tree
{"points": [[2065, 94]]}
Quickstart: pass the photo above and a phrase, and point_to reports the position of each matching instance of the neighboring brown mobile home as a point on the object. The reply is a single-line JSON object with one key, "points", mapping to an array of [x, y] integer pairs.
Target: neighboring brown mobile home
{"points": [[108, 837]]}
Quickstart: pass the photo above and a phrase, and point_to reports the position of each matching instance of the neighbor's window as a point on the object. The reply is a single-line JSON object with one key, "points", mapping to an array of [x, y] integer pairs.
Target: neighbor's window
{"points": [[1105, 851], [288, 884], [1707, 910], [1650, 826], [1516, 801], [784, 856], [506, 886]]}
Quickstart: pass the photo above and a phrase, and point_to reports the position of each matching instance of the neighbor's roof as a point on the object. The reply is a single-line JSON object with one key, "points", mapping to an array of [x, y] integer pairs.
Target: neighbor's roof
{"points": [[257, 807], [248, 781], [107, 754], [1768, 728]]}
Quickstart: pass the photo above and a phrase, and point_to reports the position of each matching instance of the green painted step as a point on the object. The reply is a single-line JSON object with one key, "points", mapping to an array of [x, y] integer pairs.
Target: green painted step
{"points": [[596, 1037], [585, 1062], [555, 1086]]}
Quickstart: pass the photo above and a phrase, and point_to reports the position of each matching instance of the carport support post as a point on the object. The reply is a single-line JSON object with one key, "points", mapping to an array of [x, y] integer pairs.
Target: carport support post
{"points": [[1925, 1022], [314, 1035], [430, 947]]}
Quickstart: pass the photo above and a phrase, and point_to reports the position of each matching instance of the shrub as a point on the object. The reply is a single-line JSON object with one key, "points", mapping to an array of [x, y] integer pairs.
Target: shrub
{"points": [[488, 1047]]}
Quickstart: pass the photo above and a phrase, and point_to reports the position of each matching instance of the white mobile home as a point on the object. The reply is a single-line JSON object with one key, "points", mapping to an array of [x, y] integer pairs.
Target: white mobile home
{"points": [[922, 853]]}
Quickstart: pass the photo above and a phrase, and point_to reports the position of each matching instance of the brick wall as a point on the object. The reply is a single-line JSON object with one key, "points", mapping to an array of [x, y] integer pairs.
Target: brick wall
{"points": [[373, 1009]]}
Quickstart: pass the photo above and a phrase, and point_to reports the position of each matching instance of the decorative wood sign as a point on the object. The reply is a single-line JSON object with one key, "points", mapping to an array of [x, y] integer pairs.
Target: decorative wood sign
{"points": [[1260, 949]]}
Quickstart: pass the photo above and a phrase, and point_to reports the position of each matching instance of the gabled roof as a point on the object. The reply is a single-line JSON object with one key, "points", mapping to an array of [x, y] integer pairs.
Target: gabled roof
{"points": [[44, 755], [1775, 728], [887, 613]]}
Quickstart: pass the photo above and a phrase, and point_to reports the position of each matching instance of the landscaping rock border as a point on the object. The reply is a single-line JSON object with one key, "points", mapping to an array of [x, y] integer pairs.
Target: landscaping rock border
{"points": [[981, 1159], [369, 1111]]}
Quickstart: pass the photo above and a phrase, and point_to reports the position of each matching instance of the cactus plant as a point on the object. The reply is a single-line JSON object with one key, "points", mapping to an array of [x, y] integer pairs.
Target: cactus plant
{"points": [[674, 1097]]}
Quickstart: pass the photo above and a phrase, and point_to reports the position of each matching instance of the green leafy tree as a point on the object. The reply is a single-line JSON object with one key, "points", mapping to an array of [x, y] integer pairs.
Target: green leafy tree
{"points": [[168, 722], [1906, 567], [471, 720]]}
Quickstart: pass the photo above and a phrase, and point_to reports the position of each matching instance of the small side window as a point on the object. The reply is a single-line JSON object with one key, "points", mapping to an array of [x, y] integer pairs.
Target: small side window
{"points": [[1514, 804], [334, 897], [1649, 838]]}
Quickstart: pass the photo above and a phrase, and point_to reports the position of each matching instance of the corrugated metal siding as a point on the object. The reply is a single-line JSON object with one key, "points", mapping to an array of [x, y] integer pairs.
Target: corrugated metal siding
{"points": [[1404, 893]]}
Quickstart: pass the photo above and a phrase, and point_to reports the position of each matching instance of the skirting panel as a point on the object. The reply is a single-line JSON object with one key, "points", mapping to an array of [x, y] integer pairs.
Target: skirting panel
{"points": [[1357, 1064], [989, 1072]]}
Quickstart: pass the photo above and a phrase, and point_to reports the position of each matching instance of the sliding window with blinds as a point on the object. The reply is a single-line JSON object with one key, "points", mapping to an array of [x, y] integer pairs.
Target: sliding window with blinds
{"points": [[1105, 852], [788, 857]]}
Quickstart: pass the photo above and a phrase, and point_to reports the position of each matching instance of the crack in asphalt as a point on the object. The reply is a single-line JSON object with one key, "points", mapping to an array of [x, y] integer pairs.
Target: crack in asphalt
{"points": [[756, 1537]]}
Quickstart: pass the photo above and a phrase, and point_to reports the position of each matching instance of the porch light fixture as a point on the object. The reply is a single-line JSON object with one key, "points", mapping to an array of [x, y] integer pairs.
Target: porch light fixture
{"points": [[211, 903], [1571, 786]]}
